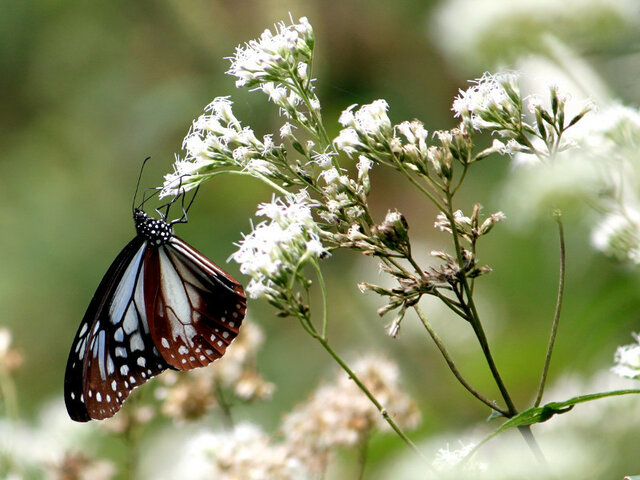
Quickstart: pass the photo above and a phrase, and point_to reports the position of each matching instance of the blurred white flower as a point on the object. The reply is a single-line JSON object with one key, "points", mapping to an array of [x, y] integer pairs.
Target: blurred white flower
{"points": [[477, 33], [244, 453], [47, 443], [448, 460], [339, 414], [627, 359]]}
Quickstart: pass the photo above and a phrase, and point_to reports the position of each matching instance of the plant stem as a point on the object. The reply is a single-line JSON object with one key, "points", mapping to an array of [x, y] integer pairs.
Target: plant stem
{"points": [[362, 455], [472, 312], [556, 315], [323, 289], [227, 418], [370, 396], [452, 365], [8, 394]]}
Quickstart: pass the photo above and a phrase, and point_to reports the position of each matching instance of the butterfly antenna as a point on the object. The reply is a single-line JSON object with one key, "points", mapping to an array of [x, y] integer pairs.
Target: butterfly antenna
{"points": [[135, 195]]}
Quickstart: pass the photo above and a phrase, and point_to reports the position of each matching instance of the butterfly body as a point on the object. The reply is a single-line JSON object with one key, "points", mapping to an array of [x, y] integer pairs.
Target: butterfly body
{"points": [[161, 305]]}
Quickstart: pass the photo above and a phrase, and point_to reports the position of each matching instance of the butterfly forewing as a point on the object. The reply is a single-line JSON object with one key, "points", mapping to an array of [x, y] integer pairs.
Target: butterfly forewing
{"points": [[112, 342], [197, 307]]}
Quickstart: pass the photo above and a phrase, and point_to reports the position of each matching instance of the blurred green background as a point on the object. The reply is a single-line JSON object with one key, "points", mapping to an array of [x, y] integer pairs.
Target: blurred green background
{"points": [[90, 89]]}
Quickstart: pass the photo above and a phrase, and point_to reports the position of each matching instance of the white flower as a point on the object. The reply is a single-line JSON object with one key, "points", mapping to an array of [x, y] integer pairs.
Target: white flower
{"points": [[618, 234], [364, 164], [273, 55], [372, 119], [627, 360], [273, 251], [245, 452], [339, 413], [347, 140], [447, 459], [347, 118], [487, 99], [324, 159]]}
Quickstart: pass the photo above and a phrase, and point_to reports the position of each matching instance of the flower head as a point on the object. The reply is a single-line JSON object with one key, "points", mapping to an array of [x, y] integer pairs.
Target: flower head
{"points": [[275, 249], [273, 55]]}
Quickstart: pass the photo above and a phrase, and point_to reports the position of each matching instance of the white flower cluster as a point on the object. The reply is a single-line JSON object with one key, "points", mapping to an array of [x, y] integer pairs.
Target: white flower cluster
{"points": [[627, 359], [492, 102], [245, 452], [274, 251], [266, 59], [365, 129], [217, 139], [448, 460], [339, 414]]}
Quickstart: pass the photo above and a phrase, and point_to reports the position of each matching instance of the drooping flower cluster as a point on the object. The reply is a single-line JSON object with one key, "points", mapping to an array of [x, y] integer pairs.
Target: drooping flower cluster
{"points": [[217, 140], [338, 414], [627, 359], [190, 396], [274, 252]]}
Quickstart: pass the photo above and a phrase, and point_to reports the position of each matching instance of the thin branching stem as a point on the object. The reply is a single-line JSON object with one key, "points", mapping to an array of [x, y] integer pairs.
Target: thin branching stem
{"points": [[472, 312], [452, 365], [556, 315]]}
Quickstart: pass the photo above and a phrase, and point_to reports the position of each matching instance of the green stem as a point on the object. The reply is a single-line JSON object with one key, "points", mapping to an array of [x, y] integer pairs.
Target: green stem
{"points": [[225, 407], [259, 176], [452, 365], [472, 312], [362, 455], [370, 396], [323, 289], [556, 315], [8, 393]]}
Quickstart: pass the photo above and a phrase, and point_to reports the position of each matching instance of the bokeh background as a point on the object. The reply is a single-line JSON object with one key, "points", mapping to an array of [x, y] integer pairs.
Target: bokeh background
{"points": [[90, 89]]}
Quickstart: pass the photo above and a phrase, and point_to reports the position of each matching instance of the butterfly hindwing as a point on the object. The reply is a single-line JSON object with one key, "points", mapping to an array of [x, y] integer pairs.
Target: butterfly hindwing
{"points": [[197, 307]]}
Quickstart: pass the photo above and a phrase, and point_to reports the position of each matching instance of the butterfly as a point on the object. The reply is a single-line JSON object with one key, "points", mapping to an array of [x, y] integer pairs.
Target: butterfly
{"points": [[161, 305]]}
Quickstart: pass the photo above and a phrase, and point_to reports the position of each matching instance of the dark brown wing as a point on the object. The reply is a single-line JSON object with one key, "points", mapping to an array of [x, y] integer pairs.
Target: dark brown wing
{"points": [[195, 308]]}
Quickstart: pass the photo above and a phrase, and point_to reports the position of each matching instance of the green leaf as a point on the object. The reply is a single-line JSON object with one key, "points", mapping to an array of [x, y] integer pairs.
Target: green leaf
{"points": [[542, 414]]}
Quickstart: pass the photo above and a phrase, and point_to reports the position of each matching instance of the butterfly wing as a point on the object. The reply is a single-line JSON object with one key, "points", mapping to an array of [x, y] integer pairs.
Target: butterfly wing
{"points": [[113, 351], [197, 307]]}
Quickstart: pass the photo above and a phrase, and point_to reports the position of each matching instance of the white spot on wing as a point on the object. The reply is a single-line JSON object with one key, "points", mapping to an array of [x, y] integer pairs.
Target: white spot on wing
{"points": [[164, 342], [119, 335], [135, 342], [141, 361], [183, 350], [83, 330], [130, 321], [124, 369]]}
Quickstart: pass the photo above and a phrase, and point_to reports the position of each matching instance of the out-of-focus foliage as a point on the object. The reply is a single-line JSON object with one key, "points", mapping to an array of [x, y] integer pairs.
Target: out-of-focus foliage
{"points": [[89, 90]]}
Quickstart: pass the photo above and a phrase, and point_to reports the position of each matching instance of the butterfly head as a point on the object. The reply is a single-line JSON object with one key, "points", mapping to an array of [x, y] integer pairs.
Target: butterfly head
{"points": [[155, 231]]}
